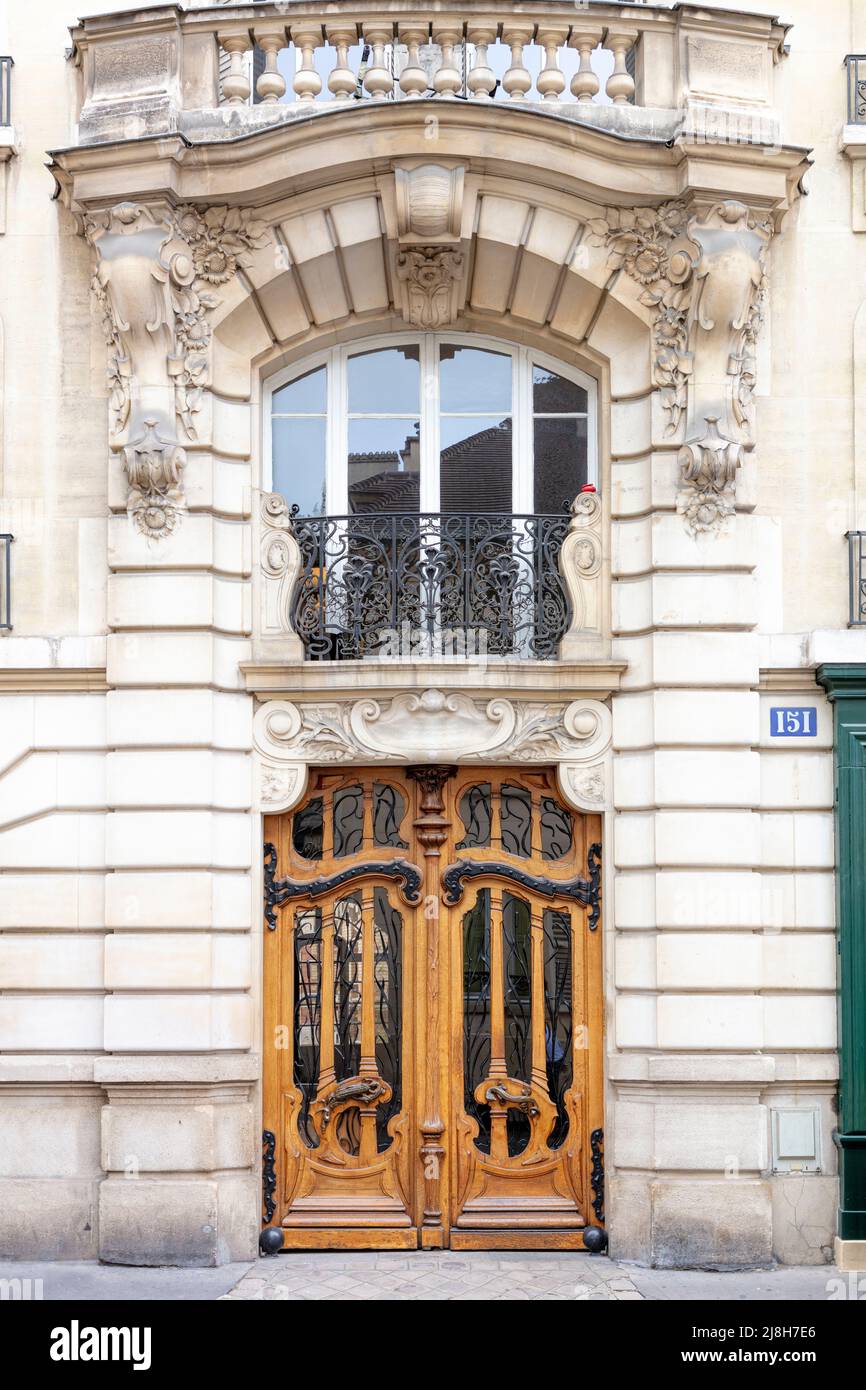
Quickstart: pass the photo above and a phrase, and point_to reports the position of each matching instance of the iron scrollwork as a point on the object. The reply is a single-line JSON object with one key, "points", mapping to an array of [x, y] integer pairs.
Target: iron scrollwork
{"points": [[587, 892], [269, 1173], [593, 860], [494, 576], [279, 891], [596, 1177]]}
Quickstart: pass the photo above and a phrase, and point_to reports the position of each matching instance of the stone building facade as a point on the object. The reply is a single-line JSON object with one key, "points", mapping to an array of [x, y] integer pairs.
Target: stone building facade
{"points": [[654, 217]]}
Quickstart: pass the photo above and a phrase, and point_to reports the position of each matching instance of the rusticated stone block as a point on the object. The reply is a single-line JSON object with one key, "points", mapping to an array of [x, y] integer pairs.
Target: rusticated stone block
{"points": [[711, 1225], [203, 1222]]}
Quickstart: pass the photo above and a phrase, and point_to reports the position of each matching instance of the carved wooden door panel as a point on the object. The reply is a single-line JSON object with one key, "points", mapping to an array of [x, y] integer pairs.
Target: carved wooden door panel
{"points": [[432, 1013], [526, 1058], [339, 1039]]}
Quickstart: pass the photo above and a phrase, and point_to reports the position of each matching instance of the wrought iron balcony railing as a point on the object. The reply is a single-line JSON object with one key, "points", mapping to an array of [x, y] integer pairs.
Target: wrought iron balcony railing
{"points": [[6, 65], [6, 582], [855, 72], [857, 578], [410, 584]]}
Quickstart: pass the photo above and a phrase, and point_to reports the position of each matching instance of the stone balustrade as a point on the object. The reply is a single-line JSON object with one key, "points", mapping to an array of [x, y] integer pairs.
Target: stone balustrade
{"points": [[213, 71], [444, 57]]}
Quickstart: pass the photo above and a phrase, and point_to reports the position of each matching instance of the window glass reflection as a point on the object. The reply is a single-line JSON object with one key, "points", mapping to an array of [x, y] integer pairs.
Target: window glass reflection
{"points": [[384, 466], [386, 381], [556, 395], [299, 463], [473, 379], [475, 465], [560, 462], [305, 395]]}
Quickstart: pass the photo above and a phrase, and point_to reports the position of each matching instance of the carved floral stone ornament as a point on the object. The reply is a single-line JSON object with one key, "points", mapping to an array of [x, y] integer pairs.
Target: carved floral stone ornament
{"points": [[709, 472], [418, 726], [702, 272], [429, 276], [153, 469], [156, 269]]}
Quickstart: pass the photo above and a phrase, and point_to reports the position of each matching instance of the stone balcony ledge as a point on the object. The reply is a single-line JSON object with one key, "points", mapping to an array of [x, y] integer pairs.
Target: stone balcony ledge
{"points": [[647, 72]]}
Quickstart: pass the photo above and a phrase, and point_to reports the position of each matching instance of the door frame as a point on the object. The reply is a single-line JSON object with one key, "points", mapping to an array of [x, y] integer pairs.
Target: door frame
{"points": [[579, 732]]}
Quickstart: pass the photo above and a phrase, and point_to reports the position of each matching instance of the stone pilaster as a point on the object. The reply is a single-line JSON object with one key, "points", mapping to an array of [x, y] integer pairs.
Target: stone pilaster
{"points": [[178, 851]]}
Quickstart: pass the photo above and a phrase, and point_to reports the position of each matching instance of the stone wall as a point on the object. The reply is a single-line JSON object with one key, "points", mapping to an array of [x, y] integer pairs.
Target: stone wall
{"points": [[130, 995]]}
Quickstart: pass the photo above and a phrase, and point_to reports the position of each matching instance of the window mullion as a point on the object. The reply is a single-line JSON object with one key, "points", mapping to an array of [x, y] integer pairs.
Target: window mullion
{"points": [[430, 480], [337, 435]]}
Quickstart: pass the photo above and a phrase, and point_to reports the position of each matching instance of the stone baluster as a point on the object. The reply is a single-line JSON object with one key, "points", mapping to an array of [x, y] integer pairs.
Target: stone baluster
{"points": [[550, 81], [307, 83], [448, 80], [620, 84], [517, 80], [271, 86], [585, 84], [413, 78], [482, 79], [342, 82], [236, 83], [378, 80]]}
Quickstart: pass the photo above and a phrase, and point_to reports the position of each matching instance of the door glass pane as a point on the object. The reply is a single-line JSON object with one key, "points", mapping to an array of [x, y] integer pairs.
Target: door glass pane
{"points": [[476, 1013], [475, 815], [475, 465], [557, 1021], [307, 1015], [384, 466], [474, 380], [348, 969], [385, 382], [387, 1009], [303, 396], [560, 462], [556, 395], [299, 463], [348, 821], [515, 817]]}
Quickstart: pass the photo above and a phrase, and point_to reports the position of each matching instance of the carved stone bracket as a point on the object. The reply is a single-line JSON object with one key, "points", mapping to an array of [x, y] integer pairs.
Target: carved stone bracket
{"points": [[703, 273], [432, 724], [156, 273]]}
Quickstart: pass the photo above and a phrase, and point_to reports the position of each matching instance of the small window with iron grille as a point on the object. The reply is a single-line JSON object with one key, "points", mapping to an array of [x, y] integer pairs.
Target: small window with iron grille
{"points": [[6, 582]]}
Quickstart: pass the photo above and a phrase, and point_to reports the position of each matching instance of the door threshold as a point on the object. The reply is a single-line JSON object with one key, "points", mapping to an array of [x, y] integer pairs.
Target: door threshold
{"points": [[351, 1238], [517, 1240]]}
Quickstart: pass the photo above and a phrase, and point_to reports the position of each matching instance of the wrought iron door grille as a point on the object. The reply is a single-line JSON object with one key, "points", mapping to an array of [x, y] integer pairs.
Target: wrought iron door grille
{"points": [[855, 66], [6, 66], [857, 578], [429, 584]]}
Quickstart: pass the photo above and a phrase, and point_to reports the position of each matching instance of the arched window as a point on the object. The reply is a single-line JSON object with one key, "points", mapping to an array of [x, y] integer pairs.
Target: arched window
{"points": [[444, 423]]}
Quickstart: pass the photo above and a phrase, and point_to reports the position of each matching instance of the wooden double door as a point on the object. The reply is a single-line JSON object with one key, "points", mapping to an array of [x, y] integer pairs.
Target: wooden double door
{"points": [[433, 1013]]}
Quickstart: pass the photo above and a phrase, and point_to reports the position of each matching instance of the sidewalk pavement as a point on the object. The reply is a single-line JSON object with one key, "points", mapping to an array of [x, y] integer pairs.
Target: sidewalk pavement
{"points": [[421, 1276]]}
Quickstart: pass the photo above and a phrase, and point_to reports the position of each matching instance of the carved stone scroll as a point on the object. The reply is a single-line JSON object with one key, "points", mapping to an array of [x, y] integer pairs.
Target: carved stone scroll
{"points": [[702, 271], [580, 562], [280, 566], [415, 727], [156, 269]]}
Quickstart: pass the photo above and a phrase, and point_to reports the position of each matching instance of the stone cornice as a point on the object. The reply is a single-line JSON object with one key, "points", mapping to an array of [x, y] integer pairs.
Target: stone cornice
{"points": [[53, 680], [312, 680], [290, 158]]}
